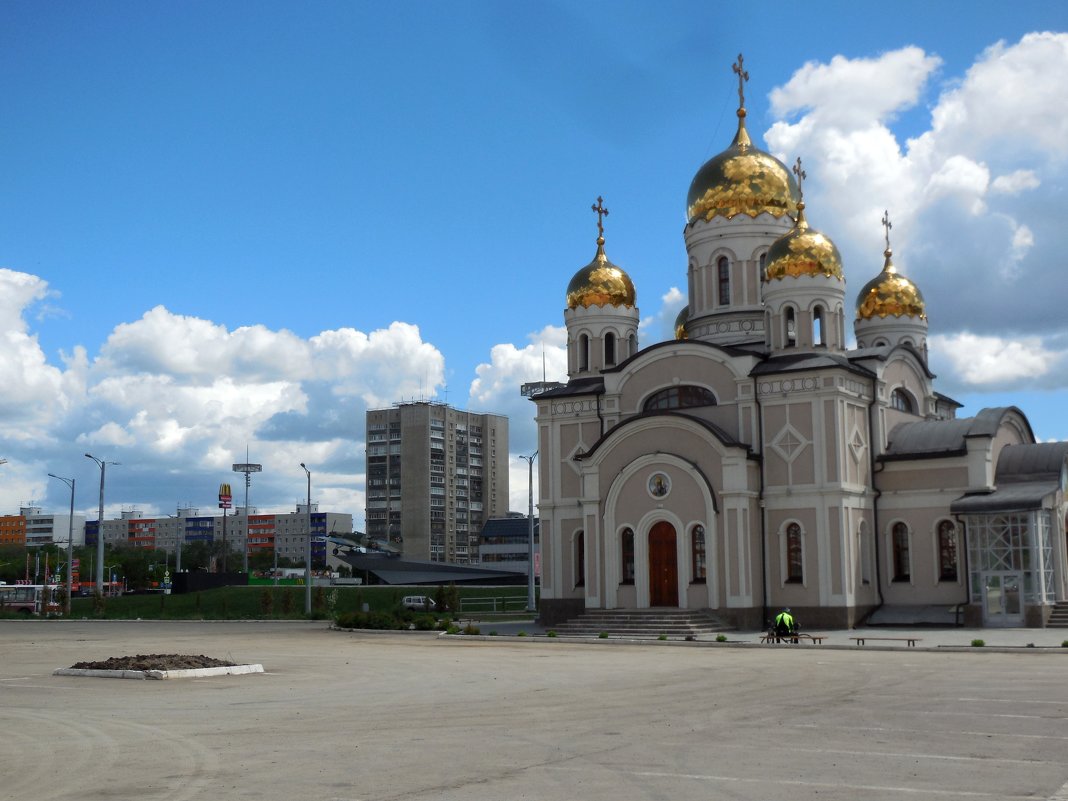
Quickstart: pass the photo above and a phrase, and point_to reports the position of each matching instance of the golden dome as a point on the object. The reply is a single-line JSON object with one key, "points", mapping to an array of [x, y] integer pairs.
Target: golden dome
{"points": [[680, 323], [741, 180], [600, 283], [802, 251], [890, 294]]}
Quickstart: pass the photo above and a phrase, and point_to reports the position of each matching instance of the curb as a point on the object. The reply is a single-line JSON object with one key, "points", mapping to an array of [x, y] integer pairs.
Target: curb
{"points": [[191, 673]]}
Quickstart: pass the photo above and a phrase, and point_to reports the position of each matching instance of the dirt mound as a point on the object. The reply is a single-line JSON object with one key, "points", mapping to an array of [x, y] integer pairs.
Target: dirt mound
{"points": [[153, 662]]}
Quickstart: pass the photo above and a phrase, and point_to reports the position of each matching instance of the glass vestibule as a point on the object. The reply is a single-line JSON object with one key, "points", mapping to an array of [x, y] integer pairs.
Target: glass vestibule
{"points": [[1010, 561]]}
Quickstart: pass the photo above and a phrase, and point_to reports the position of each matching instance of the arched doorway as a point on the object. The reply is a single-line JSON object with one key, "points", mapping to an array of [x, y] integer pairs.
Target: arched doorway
{"points": [[663, 566]]}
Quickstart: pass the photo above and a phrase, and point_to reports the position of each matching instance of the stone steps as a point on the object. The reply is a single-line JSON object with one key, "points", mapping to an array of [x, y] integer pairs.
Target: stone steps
{"points": [[1058, 618], [641, 623]]}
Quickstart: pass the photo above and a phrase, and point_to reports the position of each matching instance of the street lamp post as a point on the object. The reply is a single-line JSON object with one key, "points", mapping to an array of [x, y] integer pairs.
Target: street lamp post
{"points": [[112, 575], [308, 551], [531, 605], [99, 578], [70, 537]]}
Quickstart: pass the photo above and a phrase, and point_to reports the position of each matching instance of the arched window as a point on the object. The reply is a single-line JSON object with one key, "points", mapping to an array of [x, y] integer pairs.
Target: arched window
{"points": [[763, 267], [901, 400], [790, 328], [681, 397], [627, 545], [795, 559], [609, 349], [723, 277], [697, 554], [584, 352], [947, 551], [580, 559], [633, 340], [818, 334], [900, 535]]}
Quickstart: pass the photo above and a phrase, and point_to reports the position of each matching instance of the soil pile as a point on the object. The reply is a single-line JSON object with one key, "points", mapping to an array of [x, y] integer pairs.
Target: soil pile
{"points": [[154, 662]]}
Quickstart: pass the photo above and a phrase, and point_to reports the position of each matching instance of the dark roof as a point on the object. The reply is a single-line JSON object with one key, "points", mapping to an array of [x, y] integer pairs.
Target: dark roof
{"points": [[949, 400], [883, 352], [576, 386], [391, 569], [937, 438], [1026, 475], [517, 528], [797, 362]]}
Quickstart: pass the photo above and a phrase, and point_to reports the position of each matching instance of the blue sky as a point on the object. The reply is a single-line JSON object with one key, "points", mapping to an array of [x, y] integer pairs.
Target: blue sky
{"points": [[227, 224]]}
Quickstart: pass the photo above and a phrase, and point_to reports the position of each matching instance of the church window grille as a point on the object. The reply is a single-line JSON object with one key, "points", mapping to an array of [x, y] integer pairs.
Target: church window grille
{"points": [[627, 545], [584, 352], [901, 400], [900, 541], [681, 397], [818, 332], [697, 552], [763, 267], [633, 341], [790, 331], [609, 348], [947, 551], [723, 276], [795, 560]]}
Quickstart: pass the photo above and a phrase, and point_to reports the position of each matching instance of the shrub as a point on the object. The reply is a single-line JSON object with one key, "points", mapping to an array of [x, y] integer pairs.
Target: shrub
{"points": [[99, 604], [287, 602], [493, 634], [521, 634], [603, 635], [978, 643], [721, 638], [266, 602], [550, 634], [369, 620], [1064, 644], [471, 628], [452, 629], [426, 622], [662, 637]]}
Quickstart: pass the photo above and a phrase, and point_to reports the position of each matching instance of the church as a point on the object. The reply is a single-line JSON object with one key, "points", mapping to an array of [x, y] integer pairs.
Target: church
{"points": [[762, 460]]}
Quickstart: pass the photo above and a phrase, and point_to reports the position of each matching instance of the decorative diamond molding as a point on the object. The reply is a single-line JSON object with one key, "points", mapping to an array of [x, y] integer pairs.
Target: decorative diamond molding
{"points": [[857, 446], [789, 443]]}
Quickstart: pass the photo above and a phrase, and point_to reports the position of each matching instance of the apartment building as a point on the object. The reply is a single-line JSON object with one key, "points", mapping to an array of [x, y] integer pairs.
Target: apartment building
{"points": [[33, 527], [434, 475], [244, 529]]}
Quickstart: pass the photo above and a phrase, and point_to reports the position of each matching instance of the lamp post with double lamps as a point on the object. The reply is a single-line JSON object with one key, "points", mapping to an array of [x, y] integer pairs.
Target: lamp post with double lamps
{"points": [[531, 605], [99, 577], [307, 551], [70, 537]]}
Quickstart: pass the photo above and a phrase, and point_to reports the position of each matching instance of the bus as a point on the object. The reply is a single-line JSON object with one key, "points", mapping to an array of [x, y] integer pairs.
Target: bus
{"points": [[30, 599]]}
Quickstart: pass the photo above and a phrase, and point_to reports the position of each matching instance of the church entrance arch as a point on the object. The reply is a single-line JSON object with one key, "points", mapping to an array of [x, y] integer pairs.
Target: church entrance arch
{"points": [[663, 565]]}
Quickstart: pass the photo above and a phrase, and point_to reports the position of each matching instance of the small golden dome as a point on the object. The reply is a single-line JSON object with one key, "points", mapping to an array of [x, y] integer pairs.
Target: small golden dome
{"points": [[890, 294], [600, 283], [802, 251], [741, 180], [680, 323]]}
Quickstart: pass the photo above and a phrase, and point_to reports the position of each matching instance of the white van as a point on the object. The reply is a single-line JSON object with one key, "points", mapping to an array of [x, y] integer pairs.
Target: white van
{"points": [[419, 603]]}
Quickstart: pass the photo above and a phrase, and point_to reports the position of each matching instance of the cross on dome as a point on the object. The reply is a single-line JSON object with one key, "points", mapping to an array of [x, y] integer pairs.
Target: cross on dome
{"points": [[602, 212], [801, 176], [743, 76], [887, 225]]}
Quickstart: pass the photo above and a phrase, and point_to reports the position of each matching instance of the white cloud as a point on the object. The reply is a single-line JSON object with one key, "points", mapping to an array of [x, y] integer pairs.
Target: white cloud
{"points": [[990, 361], [660, 325], [1015, 182]]}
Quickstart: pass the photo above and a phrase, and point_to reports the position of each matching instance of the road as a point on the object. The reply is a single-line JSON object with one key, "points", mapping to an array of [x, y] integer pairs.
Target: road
{"points": [[373, 717]]}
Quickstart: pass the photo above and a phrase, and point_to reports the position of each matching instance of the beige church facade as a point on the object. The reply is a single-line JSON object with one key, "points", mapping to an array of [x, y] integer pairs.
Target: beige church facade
{"points": [[760, 461]]}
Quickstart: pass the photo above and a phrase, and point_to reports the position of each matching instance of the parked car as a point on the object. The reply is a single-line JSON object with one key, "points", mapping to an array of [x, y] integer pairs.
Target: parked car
{"points": [[419, 603]]}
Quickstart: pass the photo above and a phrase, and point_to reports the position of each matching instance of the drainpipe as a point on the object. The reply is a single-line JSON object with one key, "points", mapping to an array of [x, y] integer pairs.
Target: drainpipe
{"points": [[763, 513]]}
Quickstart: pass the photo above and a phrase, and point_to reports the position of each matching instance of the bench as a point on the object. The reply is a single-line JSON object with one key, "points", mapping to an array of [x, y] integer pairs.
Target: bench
{"points": [[910, 640], [772, 637]]}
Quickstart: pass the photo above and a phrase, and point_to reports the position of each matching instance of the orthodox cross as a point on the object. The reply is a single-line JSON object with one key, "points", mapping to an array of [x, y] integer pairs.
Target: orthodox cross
{"points": [[887, 225], [801, 176], [743, 76], [602, 212]]}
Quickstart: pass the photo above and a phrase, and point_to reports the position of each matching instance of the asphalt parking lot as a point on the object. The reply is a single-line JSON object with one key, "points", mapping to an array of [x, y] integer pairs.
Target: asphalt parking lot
{"points": [[342, 715]]}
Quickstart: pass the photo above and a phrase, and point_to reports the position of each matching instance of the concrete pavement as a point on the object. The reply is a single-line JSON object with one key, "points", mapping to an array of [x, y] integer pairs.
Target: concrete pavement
{"points": [[344, 716]]}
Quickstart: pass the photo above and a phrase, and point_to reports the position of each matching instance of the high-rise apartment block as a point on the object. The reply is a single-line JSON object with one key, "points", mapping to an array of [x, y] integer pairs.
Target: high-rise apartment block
{"points": [[434, 475]]}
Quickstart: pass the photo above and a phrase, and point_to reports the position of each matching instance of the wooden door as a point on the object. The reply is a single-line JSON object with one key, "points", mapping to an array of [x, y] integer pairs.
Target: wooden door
{"points": [[663, 566]]}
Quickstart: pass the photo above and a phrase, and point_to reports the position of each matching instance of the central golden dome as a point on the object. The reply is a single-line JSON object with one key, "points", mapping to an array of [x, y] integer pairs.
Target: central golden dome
{"points": [[741, 180], [802, 251], [890, 294], [600, 283]]}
